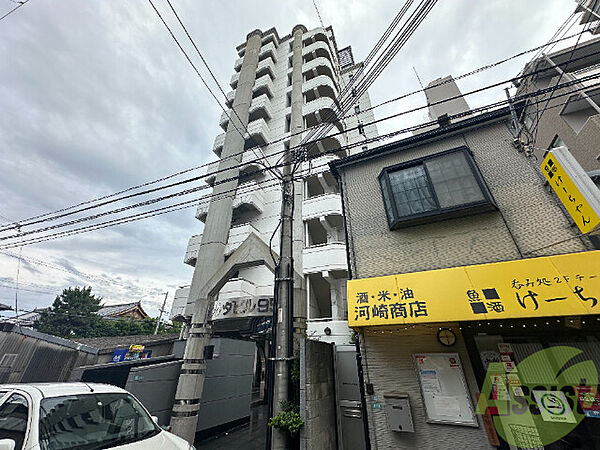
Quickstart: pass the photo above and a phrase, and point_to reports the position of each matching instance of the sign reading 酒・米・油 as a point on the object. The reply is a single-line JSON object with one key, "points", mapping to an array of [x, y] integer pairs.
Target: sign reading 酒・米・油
{"points": [[561, 285]]}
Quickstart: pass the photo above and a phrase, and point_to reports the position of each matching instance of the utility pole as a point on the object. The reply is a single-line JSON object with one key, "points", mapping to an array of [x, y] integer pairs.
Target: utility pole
{"points": [[162, 309], [284, 276]]}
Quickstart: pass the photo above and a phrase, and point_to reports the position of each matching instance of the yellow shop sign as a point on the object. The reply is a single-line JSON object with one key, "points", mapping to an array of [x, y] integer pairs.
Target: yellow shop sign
{"points": [[561, 285]]}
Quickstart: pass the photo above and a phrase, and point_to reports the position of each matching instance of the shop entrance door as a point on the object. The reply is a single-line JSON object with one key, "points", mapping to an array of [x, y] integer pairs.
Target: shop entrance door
{"points": [[349, 410]]}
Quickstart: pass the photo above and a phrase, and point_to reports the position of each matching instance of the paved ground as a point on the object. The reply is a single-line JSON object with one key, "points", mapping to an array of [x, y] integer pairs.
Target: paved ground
{"points": [[250, 436]]}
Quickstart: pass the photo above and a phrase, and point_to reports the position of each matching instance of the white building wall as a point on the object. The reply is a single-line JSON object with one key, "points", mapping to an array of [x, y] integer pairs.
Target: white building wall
{"points": [[331, 259]]}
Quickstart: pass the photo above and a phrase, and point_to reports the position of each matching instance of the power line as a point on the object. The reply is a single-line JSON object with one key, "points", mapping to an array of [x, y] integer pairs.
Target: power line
{"points": [[20, 3], [188, 204], [32, 220], [318, 13], [151, 201], [208, 68]]}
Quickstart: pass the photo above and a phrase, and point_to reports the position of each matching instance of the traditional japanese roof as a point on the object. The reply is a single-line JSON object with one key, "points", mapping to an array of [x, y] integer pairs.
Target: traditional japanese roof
{"points": [[121, 309]]}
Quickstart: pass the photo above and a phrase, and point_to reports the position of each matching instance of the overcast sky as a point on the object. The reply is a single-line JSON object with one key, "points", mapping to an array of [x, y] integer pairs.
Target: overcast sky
{"points": [[95, 97]]}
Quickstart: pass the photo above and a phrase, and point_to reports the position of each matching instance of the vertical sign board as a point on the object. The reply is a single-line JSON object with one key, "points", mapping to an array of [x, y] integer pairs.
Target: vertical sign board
{"points": [[574, 188], [444, 389]]}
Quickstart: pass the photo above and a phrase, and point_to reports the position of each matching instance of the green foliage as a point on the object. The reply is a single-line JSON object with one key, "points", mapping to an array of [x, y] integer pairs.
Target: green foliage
{"points": [[295, 370], [74, 314], [288, 419]]}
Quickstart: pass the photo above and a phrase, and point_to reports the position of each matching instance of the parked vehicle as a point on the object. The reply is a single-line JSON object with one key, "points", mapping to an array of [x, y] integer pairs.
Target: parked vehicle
{"points": [[86, 416]]}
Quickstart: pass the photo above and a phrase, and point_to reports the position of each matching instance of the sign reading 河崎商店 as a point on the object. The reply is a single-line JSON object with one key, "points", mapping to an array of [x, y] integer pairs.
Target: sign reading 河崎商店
{"points": [[561, 285]]}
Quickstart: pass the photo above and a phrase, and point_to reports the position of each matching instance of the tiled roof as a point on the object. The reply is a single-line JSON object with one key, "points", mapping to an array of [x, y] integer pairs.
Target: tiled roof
{"points": [[111, 310]]}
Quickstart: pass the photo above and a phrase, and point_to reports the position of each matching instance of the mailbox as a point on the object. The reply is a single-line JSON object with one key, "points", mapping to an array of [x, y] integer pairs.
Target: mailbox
{"points": [[397, 409]]}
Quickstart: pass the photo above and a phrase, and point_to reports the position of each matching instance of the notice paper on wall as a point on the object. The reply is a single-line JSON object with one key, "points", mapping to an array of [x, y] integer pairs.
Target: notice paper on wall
{"points": [[444, 389]]}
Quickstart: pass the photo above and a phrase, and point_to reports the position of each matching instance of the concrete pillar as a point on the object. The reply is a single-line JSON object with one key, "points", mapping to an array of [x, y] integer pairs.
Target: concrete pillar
{"points": [[184, 419], [296, 128]]}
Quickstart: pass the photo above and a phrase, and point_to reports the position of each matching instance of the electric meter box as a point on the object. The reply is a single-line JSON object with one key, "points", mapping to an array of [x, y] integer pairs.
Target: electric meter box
{"points": [[397, 410]]}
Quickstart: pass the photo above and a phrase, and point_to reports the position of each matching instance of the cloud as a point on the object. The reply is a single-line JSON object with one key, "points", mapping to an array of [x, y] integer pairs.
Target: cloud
{"points": [[95, 97]]}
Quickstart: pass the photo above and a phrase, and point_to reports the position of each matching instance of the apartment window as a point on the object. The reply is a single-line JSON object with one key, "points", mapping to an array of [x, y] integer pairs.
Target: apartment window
{"points": [[361, 129], [356, 109], [433, 188], [365, 148], [289, 99]]}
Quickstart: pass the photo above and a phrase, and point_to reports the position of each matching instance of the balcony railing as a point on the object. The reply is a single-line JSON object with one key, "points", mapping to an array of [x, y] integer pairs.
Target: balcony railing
{"points": [[268, 50], [191, 254], [318, 165], [218, 145], [263, 85], [265, 67], [260, 107], [210, 173], [230, 98], [321, 206], [237, 235], [324, 257], [258, 131], [250, 196], [224, 121], [180, 302], [238, 64], [234, 80]]}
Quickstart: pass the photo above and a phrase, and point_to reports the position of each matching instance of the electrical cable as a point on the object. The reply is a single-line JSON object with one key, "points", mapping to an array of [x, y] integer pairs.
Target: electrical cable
{"points": [[21, 222], [233, 178], [171, 207], [20, 3], [532, 94]]}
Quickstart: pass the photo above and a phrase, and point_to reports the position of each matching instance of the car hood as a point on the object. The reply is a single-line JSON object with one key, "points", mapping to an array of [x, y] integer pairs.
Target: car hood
{"points": [[162, 440]]}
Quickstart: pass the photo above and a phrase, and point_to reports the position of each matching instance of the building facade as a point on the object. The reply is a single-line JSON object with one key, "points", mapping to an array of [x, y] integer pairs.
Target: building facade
{"points": [[434, 222], [571, 117], [282, 87]]}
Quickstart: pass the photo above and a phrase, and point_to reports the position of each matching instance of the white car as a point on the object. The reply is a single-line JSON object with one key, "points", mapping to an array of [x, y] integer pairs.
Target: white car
{"points": [[86, 416]]}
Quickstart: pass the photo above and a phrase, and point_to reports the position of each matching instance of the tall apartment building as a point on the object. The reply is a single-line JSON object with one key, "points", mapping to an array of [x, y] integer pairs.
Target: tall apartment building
{"points": [[281, 87], [572, 116]]}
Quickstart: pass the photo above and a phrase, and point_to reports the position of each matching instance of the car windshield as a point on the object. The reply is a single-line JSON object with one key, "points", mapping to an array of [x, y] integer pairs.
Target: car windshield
{"points": [[93, 421]]}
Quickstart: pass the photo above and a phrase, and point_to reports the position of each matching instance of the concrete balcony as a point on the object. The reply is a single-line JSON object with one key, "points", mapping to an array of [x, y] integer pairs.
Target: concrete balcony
{"points": [[238, 64], [322, 206], [317, 49], [258, 131], [251, 161], [237, 288], [237, 235], [263, 85], [319, 66], [318, 165], [218, 145], [224, 121], [260, 108], [326, 257], [329, 145], [191, 254], [265, 67], [180, 301], [321, 110], [234, 80], [314, 32], [321, 86], [230, 98], [268, 51], [249, 197], [210, 173]]}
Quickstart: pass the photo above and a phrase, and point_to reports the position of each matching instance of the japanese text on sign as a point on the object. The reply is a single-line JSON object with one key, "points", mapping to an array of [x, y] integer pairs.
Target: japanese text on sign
{"points": [[561, 285], [570, 196]]}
